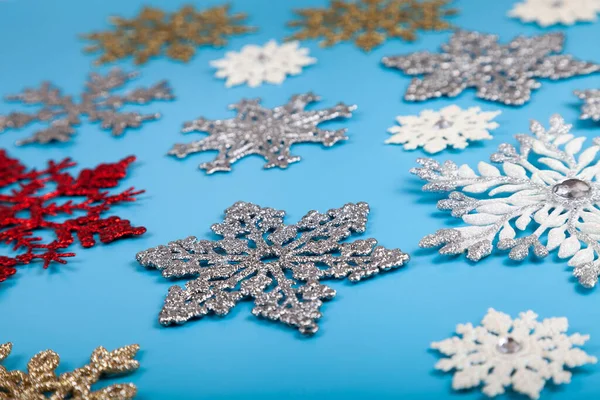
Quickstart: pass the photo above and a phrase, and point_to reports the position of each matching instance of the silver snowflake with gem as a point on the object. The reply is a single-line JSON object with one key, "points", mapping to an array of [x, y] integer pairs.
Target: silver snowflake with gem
{"points": [[503, 73], [436, 130], [549, 188], [97, 102], [591, 105], [552, 12], [279, 267], [521, 353], [266, 132]]}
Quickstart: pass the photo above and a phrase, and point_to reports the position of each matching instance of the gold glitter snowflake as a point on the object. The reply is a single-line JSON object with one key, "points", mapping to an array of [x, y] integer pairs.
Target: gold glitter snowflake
{"points": [[41, 382], [154, 31], [370, 22]]}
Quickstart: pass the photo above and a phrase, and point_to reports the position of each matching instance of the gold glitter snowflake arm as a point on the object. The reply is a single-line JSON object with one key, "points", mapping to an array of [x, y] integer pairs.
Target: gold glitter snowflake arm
{"points": [[177, 34], [370, 22], [41, 380]]}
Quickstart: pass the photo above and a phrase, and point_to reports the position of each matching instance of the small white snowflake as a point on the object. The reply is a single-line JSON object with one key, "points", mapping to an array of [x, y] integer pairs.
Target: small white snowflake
{"points": [[270, 63], [436, 130], [523, 353], [550, 189], [552, 12]]}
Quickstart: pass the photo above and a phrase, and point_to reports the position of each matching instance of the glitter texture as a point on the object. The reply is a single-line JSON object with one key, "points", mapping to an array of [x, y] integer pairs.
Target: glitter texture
{"points": [[176, 34], [266, 132], [40, 381], [552, 12], [270, 63], [370, 22], [279, 267], [521, 354], [591, 105], [503, 73], [436, 130], [549, 187], [50, 193], [97, 102]]}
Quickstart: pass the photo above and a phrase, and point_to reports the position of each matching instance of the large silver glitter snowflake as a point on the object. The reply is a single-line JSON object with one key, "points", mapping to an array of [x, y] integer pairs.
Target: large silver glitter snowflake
{"points": [[266, 132], [97, 102], [503, 73], [522, 354], [278, 266], [591, 105], [549, 188]]}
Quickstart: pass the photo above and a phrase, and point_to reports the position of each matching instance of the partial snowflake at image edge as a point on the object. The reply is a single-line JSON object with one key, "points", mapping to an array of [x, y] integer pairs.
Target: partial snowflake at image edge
{"points": [[591, 106], [270, 63], [552, 12], [266, 132], [23, 192], [279, 267], [97, 102], [502, 73], [563, 199], [521, 354], [451, 126]]}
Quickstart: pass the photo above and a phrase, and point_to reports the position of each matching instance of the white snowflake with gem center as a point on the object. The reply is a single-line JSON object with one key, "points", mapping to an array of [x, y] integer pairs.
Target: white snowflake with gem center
{"points": [[436, 130], [549, 193], [270, 63], [552, 12], [522, 353]]}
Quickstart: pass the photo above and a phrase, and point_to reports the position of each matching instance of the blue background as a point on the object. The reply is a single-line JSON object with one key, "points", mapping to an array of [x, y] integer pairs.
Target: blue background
{"points": [[374, 336]]}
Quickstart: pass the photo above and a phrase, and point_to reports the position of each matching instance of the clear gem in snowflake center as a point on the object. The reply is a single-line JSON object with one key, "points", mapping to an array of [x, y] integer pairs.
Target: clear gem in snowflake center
{"points": [[508, 345], [443, 123], [557, 3], [263, 58], [572, 189]]}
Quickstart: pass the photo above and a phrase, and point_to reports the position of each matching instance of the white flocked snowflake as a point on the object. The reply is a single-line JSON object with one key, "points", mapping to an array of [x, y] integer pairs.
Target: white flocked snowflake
{"points": [[436, 130], [522, 353], [549, 192], [552, 12], [270, 63]]}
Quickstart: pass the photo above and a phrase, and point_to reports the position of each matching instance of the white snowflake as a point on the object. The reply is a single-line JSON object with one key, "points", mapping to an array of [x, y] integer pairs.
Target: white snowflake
{"points": [[522, 353], [549, 187], [270, 63], [552, 12], [436, 130]]}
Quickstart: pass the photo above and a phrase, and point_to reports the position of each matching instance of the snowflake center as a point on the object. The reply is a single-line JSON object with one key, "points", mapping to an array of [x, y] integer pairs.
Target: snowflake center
{"points": [[508, 345], [263, 58], [572, 189], [443, 123], [557, 3]]}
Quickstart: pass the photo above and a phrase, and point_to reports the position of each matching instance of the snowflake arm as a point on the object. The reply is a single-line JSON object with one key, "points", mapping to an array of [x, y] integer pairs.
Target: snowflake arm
{"points": [[270, 63], [266, 132], [591, 106], [552, 12], [522, 354], [549, 184], [252, 259], [435, 130], [97, 103]]}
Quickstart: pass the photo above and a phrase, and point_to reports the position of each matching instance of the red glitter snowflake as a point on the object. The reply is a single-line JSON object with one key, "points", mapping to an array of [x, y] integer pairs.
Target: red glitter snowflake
{"points": [[38, 193]]}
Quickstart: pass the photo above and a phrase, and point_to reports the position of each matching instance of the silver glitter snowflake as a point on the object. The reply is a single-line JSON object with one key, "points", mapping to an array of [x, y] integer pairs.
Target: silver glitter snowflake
{"points": [[278, 266], [266, 132], [97, 102], [591, 107], [522, 354], [549, 187], [503, 73]]}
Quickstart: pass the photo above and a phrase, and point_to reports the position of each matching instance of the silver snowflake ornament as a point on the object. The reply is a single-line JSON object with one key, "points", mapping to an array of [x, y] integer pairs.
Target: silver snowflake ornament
{"points": [[591, 106], [521, 353], [552, 12], [503, 73], [549, 187], [279, 267], [436, 130], [266, 132], [97, 102]]}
